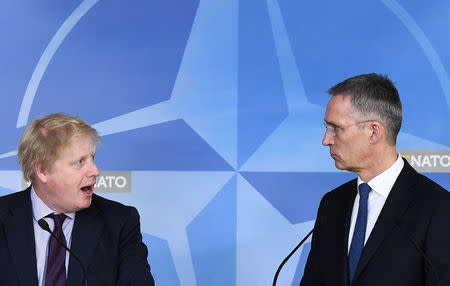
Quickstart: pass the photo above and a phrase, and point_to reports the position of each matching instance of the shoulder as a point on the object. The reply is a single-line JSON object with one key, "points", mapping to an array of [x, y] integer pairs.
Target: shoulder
{"points": [[14, 204], [106, 204], [338, 198], [15, 196], [433, 189], [112, 210], [423, 186], [14, 199], [342, 192], [432, 198]]}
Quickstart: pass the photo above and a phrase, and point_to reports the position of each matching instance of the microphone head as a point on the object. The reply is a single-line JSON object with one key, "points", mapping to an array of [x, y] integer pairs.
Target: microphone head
{"points": [[43, 224]]}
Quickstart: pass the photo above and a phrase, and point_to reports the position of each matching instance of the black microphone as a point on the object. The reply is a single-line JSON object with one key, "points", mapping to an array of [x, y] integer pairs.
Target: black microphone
{"points": [[399, 222], [321, 220], [44, 225]]}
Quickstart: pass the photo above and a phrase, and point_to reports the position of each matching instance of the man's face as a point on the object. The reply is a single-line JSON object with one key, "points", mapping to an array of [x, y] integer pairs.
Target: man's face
{"points": [[70, 182], [349, 146]]}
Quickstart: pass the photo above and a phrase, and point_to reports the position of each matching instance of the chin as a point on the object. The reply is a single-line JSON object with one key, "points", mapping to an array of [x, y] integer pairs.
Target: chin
{"points": [[340, 166], [84, 205]]}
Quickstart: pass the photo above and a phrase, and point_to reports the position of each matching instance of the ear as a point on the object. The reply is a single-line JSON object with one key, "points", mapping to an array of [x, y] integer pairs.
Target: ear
{"points": [[41, 174], [377, 132]]}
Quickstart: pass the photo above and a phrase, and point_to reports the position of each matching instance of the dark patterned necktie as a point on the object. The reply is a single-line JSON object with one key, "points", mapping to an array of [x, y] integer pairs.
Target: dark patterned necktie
{"points": [[56, 260], [359, 234]]}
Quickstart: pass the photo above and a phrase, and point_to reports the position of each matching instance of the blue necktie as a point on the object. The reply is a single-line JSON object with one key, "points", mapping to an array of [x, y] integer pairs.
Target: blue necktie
{"points": [[359, 233], [56, 259]]}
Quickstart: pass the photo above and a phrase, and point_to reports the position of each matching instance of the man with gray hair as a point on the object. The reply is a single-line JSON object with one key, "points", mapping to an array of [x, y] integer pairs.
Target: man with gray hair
{"points": [[390, 225], [56, 154]]}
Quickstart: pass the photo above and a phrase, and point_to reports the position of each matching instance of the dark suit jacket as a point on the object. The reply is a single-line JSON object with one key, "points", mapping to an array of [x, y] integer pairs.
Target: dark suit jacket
{"points": [[106, 236], [389, 257]]}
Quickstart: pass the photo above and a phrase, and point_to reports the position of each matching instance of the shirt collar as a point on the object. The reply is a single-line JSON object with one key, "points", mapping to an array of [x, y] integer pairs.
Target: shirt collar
{"points": [[383, 183], [40, 209]]}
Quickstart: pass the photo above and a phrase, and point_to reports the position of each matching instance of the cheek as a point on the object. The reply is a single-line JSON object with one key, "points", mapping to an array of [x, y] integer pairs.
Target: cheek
{"points": [[357, 151], [67, 186], [348, 152], [55, 183]]}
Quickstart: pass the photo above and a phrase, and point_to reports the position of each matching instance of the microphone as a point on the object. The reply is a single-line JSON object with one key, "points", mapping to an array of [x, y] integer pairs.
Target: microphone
{"points": [[44, 225], [321, 220], [399, 222]]}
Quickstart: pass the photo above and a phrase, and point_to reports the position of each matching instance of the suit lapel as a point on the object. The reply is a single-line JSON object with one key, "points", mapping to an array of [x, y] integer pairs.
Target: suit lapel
{"points": [[85, 235], [349, 193], [396, 204], [20, 238]]}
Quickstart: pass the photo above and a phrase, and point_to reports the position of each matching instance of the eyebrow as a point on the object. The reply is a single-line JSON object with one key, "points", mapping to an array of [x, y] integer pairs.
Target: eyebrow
{"points": [[330, 123], [84, 157]]}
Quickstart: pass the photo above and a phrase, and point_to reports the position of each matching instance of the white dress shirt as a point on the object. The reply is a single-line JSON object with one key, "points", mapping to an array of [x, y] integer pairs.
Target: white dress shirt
{"points": [[41, 237], [381, 186]]}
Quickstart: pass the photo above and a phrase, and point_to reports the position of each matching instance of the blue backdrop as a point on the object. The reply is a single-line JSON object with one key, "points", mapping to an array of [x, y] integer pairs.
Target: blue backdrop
{"points": [[216, 108]]}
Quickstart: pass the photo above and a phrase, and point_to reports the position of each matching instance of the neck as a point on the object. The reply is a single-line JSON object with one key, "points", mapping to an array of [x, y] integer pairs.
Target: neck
{"points": [[380, 161], [42, 194]]}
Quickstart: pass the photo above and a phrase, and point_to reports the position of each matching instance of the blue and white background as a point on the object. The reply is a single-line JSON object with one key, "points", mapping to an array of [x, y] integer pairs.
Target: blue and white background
{"points": [[216, 108]]}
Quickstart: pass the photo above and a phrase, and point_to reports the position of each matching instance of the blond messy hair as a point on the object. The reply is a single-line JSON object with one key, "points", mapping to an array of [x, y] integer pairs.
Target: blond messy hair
{"points": [[45, 138]]}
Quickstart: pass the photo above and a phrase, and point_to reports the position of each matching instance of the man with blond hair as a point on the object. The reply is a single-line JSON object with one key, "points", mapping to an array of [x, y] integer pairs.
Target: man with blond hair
{"points": [[56, 154]]}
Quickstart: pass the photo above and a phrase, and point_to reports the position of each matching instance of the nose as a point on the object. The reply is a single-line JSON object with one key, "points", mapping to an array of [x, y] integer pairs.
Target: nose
{"points": [[93, 170], [328, 138]]}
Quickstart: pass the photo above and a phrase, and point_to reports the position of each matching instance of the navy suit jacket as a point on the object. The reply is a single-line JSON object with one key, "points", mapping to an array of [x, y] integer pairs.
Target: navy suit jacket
{"points": [[389, 257], [106, 236]]}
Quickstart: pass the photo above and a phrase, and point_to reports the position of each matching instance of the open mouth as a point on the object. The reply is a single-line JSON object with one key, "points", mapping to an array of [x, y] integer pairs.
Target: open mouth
{"points": [[87, 188]]}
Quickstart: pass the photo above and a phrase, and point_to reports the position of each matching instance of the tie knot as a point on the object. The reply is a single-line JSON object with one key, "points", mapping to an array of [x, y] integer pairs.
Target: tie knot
{"points": [[58, 218], [364, 190]]}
